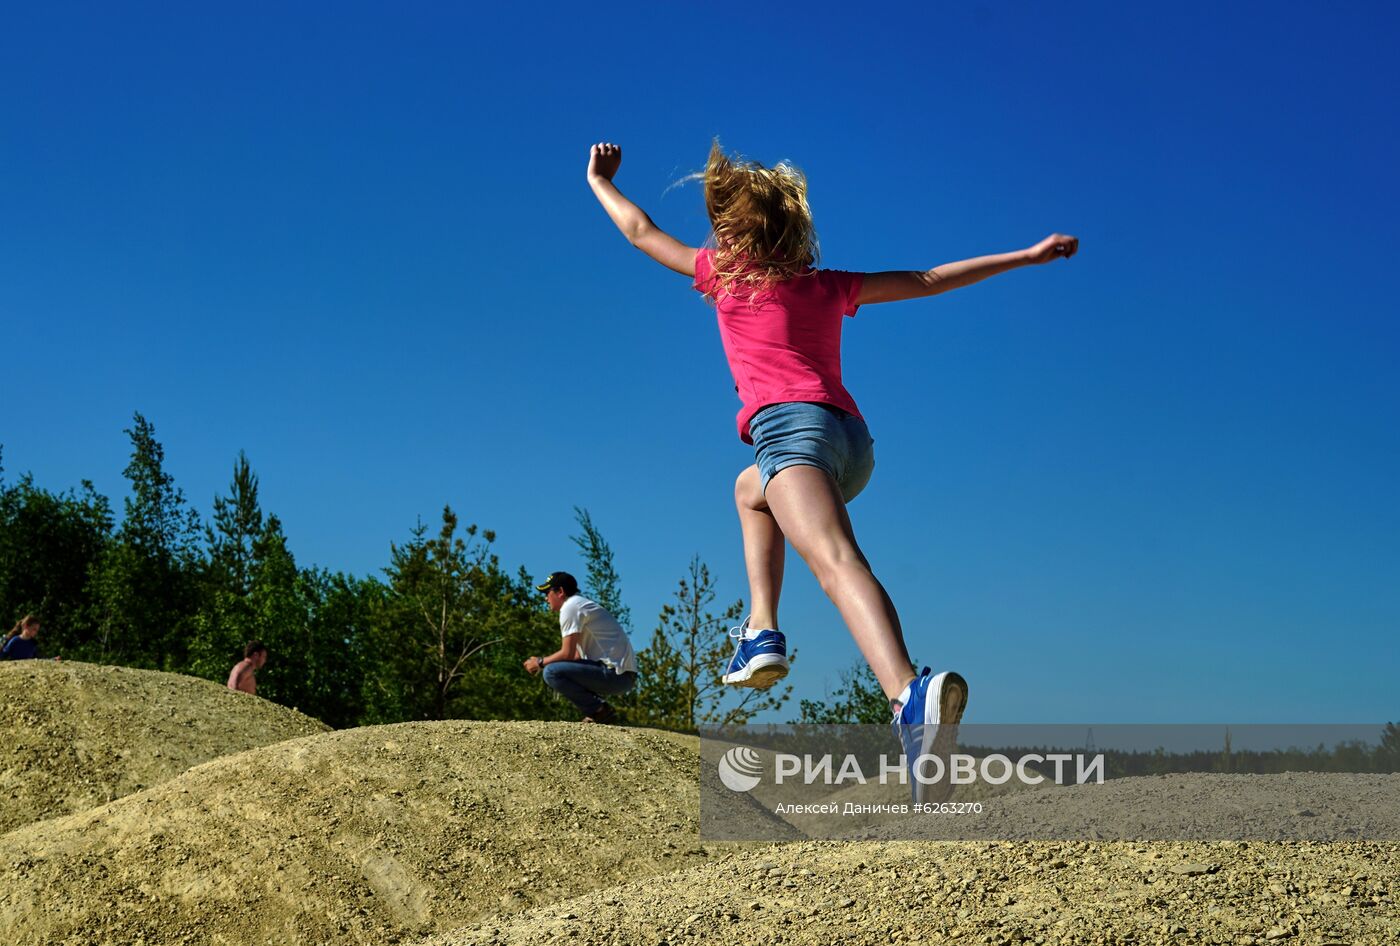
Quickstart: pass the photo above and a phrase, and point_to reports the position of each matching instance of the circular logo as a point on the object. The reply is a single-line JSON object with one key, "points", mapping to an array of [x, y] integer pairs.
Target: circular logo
{"points": [[740, 769]]}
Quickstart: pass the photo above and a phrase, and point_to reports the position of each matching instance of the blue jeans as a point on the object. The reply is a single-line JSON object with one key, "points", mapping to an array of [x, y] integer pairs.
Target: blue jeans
{"points": [[586, 682], [798, 433]]}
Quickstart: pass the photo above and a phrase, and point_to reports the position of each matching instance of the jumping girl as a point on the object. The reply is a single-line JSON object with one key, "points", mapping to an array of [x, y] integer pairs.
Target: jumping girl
{"points": [[780, 323]]}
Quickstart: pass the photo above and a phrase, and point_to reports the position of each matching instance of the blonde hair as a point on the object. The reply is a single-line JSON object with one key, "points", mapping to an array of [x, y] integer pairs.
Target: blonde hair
{"points": [[762, 225]]}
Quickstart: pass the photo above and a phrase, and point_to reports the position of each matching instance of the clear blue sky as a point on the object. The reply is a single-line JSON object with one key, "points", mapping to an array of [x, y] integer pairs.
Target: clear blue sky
{"points": [[1155, 483]]}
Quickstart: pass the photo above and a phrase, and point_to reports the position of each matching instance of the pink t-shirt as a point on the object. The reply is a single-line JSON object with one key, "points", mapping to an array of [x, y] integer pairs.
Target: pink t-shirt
{"points": [[784, 343]]}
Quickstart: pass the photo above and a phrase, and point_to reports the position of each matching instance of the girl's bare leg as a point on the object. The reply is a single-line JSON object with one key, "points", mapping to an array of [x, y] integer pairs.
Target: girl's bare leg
{"points": [[763, 550], [807, 508]]}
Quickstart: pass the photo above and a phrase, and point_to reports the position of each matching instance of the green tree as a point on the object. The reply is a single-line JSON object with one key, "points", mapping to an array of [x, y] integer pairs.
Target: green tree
{"points": [[1388, 752], [237, 526], [313, 624], [496, 685], [681, 670], [49, 543], [225, 619], [448, 601], [220, 627], [859, 699], [158, 522], [281, 619], [342, 609], [602, 583], [145, 583]]}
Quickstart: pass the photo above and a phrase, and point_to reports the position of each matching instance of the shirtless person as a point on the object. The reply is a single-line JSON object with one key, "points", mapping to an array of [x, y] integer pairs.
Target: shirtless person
{"points": [[243, 677]]}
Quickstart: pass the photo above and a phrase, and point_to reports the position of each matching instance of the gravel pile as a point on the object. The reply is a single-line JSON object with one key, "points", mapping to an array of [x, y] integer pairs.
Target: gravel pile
{"points": [[367, 835], [75, 735], [446, 834]]}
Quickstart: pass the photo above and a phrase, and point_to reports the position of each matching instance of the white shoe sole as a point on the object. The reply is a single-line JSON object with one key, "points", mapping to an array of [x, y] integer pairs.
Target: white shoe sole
{"points": [[951, 691], [760, 673], [943, 710]]}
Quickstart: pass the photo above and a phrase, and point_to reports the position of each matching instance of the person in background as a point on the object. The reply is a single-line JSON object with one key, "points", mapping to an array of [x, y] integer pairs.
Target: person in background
{"points": [[243, 677], [595, 659], [21, 643]]}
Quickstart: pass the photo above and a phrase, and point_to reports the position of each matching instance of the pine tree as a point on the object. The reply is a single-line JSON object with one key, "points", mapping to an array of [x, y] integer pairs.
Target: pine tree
{"points": [[145, 582], [237, 525], [682, 669], [447, 602], [225, 622], [341, 608], [496, 685], [158, 523], [602, 582], [859, 699], [1388, 752]]}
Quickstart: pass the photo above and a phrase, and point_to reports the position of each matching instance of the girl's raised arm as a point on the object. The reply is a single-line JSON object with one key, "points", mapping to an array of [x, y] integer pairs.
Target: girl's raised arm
{"points": [[895, 286], [603, 161]]}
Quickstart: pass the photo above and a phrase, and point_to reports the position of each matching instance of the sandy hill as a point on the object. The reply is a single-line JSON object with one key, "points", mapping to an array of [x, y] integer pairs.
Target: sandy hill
{"points": [[75, 735], [502, 834], [359, 836]]}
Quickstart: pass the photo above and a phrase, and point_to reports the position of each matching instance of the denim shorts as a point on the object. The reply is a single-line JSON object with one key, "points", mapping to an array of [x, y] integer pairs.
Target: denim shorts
{"points": [[802, 434]]}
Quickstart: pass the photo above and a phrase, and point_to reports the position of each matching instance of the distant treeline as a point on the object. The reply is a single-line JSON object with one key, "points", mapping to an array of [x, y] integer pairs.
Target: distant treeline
{"points": [[825, 734], [1349, 756], [440, 632]]}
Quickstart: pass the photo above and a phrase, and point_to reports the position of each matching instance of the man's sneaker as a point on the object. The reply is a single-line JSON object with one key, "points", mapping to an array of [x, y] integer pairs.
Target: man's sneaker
{"points": [[927, 725], [604, 714], [759, 661]]}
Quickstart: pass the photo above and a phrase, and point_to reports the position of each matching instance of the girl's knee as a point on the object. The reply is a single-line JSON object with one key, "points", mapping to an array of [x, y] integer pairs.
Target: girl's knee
{"points": [[748, 490]]}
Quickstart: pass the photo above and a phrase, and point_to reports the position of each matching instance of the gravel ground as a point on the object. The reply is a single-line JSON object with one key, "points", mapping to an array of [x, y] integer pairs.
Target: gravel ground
{"points": [[75, 735], [986, 892], [1295, 806]]}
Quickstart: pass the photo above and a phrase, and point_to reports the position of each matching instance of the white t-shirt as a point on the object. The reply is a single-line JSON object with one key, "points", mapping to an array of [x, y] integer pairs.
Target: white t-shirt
{"points": [[600, 636]]}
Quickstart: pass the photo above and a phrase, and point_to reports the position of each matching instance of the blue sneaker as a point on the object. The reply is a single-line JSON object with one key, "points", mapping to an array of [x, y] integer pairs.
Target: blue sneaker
{"points": [[927, 724], [759, 661]]}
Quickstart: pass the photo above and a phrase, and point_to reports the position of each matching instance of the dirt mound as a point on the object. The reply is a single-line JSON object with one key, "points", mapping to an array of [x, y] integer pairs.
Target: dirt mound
{"points": [[360, 836], [738, 816], [76, 735], [986, 892], [501, 834]]}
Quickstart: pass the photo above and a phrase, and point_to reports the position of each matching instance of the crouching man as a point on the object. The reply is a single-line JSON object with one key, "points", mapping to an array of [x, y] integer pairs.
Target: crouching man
{"points": [[594, 661]]}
